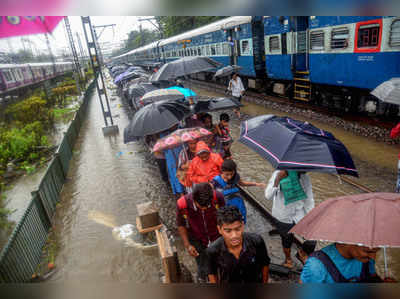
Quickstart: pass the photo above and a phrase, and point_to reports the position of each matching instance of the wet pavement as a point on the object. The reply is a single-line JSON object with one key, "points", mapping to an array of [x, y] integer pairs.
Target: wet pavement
{"points": [[107, 179]]}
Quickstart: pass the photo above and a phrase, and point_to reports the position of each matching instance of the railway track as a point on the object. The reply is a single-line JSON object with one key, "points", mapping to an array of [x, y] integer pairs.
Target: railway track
{"points": [[347, 116]]}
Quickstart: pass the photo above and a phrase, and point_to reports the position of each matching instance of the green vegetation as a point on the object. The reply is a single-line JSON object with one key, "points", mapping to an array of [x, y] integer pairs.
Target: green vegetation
{"points": [[23, 133], [64, 114], [28, 111], [173, 25]]}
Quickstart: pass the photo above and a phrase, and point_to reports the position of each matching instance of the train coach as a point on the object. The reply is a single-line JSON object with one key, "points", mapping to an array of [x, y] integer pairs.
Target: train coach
{"points": [[333, 61], [13, 76]]}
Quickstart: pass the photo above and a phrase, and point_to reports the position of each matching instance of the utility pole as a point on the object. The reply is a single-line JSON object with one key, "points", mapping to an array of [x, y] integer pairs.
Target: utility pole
{"points": [[80, 47], [77, 73], [91, 39], [97, 37], [158, 27]]}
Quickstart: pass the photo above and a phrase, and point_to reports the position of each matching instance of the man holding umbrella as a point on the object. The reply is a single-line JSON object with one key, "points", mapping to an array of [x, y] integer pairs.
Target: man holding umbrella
{"points": [[292, 196]]}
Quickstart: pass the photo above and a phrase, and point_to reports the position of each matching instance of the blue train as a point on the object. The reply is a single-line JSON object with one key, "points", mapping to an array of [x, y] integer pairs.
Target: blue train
{"points": [[333, 61]]}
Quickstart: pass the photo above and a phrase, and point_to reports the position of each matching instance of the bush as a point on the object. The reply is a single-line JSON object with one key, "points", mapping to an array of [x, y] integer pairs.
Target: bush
{"points": [[30, 110], [61, 93], [21, 144]]}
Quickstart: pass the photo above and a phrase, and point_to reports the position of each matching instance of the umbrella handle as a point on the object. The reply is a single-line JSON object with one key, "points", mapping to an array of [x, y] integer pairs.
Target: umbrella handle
{"points": [[385, 261]]}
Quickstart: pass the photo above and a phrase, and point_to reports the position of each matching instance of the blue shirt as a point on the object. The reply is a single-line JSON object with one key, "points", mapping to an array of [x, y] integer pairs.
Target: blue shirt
{"points": [[314, 270]]}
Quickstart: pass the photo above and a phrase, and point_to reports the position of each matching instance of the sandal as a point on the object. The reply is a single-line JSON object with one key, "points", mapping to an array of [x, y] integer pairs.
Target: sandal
{"points": [[288, 264]]}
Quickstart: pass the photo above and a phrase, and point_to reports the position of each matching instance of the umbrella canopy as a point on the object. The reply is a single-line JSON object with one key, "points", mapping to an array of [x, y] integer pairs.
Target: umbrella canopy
{"points": [[227, 71], [369, 219], [155, 118], [291, 144], [185, 66], [126, 75], [17, 26], [140, 89], [179, 137], [388, 91], [215, 104], [162, 94], [185, 91]]}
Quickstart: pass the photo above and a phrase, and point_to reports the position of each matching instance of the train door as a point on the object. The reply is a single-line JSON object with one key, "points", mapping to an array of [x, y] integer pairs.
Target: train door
{"points": [[234, 48], [257, 29], [301, 75], [300, 25]]}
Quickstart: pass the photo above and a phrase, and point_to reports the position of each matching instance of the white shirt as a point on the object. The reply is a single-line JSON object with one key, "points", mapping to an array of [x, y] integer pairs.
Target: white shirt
{"points": [[236, 87], [292, 212]]}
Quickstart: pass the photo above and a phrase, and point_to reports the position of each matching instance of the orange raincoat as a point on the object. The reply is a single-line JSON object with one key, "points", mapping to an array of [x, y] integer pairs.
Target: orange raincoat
{"points": [[203, 171]]}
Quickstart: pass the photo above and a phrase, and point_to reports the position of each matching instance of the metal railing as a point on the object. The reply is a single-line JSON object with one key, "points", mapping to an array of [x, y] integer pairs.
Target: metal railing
{"points": [[21, 255]]}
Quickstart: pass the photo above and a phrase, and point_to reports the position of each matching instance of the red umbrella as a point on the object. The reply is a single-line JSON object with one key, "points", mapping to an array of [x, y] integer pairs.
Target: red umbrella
{"points": [[179, 137], [370, 219], [25, 25]]}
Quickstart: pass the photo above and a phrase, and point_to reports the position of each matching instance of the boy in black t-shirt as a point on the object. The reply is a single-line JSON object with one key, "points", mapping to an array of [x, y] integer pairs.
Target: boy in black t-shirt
{"points": [[236, 257]]}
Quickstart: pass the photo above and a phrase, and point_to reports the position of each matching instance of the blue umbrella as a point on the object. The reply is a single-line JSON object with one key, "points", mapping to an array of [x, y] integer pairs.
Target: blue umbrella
{"points": [[185, 91], [291, 144]]}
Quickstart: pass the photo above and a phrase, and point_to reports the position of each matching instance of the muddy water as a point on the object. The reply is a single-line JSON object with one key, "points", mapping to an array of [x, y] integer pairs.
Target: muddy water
{"points": [[107, 179], [375, 161]]}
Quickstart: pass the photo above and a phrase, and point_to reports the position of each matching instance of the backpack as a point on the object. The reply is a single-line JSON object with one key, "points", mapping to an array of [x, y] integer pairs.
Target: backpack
{"points": [[228, 190], [291, 188], [330, 266], [182, 204]]}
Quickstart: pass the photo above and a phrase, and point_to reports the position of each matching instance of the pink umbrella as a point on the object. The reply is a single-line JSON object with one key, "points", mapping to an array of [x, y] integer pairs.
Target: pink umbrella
{"points": [[25, 25], [370, 219], [179, 137]]}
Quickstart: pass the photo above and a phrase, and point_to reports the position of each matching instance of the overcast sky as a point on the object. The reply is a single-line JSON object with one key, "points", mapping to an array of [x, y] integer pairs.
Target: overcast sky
{"points": [[58, 39]]}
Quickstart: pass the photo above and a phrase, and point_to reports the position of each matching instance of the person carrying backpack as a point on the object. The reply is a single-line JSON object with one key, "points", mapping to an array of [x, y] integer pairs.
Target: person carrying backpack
{"points": [[292, 196], [196, 218], [337, 263]]}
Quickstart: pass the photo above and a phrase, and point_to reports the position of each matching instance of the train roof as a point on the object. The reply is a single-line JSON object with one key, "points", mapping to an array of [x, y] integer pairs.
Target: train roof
{"points": [[13, 65], [218, 25]]}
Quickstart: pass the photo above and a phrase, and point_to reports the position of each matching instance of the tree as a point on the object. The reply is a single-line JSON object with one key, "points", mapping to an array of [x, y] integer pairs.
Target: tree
{"points": [[173, 25]]}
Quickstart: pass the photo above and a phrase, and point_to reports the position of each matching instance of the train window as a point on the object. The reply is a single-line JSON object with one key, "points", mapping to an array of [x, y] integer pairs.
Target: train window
{"points": [[368, 36], [245, 47], [225, 49], [317, 40], [394, 39], [8, 76], [199, 51], [213, 50], [274, 43], [218, 49], [340, 38]]}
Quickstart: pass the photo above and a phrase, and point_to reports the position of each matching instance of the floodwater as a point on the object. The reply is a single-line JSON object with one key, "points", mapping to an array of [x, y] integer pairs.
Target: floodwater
{"points": [[107, 179]]}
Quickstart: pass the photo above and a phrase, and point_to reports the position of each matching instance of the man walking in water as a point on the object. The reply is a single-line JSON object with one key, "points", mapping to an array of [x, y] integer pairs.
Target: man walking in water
{"points": [[196, 219]]}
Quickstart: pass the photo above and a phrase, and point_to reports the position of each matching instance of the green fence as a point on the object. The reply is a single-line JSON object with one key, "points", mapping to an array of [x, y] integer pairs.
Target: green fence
{"points": [[20, 257]]}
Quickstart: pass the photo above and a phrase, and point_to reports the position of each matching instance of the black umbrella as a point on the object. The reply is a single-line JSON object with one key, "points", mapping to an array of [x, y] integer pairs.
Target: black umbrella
{"points": [[155, 118], [140, 89], [185, 66], [227, 71], [291, 144], [214, 104]]}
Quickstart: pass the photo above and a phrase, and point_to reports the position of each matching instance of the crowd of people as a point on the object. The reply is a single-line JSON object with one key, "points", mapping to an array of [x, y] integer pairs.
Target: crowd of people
{"points": [[211, 215]]}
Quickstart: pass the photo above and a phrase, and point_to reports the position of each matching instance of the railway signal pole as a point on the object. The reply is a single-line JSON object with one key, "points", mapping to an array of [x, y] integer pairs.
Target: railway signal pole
{"points": [[91, 40]]}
